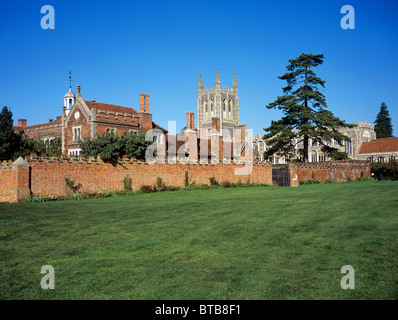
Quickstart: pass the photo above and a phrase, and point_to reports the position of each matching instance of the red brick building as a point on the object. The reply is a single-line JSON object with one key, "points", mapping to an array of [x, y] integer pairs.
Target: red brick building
{"points": [[85, 119]]}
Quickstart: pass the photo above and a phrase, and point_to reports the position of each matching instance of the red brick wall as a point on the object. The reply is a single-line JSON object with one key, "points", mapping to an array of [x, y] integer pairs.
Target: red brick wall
{"points": [[7, 183], [14, 183], [48, 178], [331, 170]]}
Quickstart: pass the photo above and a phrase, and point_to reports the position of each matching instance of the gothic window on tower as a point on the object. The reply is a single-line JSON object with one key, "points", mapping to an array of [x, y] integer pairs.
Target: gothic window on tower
{"points": [[212, 108]]}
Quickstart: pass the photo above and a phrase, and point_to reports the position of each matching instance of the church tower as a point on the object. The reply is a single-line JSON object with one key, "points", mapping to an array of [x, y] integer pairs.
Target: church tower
{"points": [[218, 102]]}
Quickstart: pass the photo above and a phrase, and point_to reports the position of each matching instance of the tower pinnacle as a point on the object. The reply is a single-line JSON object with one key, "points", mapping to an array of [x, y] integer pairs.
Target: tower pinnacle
{"points": [[218, 81], [200, 85], [235, 83]]}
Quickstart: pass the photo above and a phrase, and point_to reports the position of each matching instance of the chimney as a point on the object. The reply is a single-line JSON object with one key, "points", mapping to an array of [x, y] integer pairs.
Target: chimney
{"points": [[142, 102], [193, 121], [92, 104], [78, 91], [22, 123], [190, 121], [147, 103], [215, 124]]}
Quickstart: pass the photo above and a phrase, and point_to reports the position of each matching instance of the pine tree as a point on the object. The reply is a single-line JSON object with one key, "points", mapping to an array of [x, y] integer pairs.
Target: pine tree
{"points": [[383, 126], [304, 108], [10, 141]]}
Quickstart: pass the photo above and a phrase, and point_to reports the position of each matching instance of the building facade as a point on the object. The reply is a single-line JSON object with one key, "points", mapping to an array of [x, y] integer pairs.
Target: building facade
{"points": [[86, 119], [379, 150], [362, 133]]}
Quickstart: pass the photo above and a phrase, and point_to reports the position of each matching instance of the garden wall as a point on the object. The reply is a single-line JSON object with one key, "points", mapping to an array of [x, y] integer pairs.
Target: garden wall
{"points": [[333, 170], [36, 176], [47, 176]]}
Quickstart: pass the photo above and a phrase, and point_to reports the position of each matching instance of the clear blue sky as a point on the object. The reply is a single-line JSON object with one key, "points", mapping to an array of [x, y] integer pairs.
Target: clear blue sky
{"points": [[117, 49]]}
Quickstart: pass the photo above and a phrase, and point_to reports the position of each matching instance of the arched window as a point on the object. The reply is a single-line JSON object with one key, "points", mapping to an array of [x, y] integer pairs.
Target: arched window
{"points": [[314, 157], [224, 102], [205, 107], [78, 133]]}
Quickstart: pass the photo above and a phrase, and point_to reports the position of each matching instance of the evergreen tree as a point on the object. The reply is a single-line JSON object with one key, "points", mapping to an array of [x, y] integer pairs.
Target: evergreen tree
{"points": [[305, 114], [383, 126], [10, 141]]}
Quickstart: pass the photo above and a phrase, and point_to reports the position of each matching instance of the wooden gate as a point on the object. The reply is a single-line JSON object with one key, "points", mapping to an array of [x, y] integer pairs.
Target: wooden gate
{"points": [[281, 177]]}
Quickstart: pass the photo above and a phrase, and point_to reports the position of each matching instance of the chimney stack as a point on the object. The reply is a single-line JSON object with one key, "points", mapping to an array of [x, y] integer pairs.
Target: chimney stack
{"points": [[147, 103], [142, 102], [22, 123], [190, 121], [215, 125], [78, 90]]}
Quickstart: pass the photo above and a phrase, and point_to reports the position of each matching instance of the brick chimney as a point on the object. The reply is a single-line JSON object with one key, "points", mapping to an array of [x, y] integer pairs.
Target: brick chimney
{"points": [[22, 123], [190, 121], [147, 103], [142, 102], [216, 141], [215, 124]]}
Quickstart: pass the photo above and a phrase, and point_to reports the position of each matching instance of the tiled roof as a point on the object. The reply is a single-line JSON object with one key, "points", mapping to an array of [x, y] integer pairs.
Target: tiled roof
{"points": [[41, 125], [110, 107], [379, 145]]}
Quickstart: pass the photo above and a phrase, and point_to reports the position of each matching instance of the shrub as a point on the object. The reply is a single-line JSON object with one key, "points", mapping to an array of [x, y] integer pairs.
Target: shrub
{"points": [[127, 183], [39, 198], [186, 180], [327, 181], [213, 181], [169, 188], [146, 189], [70, 186], [160, 185], [384, 171], [204, 186], [106, 193], [311, 182], [193, 186], [239, 183], [227, 184]]}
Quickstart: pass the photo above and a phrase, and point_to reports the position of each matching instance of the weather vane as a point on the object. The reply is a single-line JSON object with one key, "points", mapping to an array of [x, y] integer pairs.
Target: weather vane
{"points": [[70, 79]]}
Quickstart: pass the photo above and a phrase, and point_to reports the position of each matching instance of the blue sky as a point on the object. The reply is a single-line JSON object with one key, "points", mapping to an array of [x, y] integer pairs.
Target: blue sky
{"points": [[117, 49]]}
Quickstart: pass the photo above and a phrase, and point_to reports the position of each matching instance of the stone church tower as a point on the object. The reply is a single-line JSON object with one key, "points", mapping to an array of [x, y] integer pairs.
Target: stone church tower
{"points": [[218, 102]]}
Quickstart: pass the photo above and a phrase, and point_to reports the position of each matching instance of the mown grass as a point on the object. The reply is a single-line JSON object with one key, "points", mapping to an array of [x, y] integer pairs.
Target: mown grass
{"points": [[232, 243]]}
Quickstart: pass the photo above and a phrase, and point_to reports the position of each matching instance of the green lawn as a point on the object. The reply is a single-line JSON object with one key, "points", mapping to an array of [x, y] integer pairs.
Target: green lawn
{"points": [[235, 243]]}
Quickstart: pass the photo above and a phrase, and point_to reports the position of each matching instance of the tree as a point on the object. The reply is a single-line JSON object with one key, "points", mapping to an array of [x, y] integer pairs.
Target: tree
{"points": [[10, 140], [305, 112], [383, 126], [110, 146]]}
